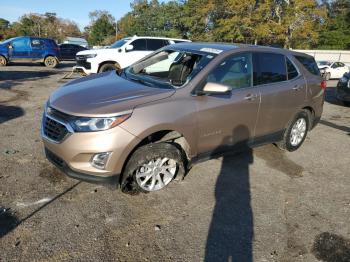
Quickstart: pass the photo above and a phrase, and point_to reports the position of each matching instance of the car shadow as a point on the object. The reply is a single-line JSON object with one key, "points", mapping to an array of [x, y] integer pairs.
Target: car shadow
{"points": [[8, 113], [24, 75], [231, 229], [330, 124], [62, 64]]}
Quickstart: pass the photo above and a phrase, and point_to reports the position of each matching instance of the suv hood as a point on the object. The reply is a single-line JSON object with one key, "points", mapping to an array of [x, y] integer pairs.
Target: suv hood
{"points": [[106, 51], [105, 94]]}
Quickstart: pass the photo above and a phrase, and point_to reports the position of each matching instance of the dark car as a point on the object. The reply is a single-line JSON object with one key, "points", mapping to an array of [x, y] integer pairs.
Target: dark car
{"points": [[343, 89], [29, 49], [68, 51]]}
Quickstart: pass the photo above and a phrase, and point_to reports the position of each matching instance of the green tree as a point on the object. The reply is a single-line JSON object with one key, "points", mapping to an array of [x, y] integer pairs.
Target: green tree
{"points": [[335, 31], [199, 19], [47, 25], [153, 19], [282, 22], [102, 27]]}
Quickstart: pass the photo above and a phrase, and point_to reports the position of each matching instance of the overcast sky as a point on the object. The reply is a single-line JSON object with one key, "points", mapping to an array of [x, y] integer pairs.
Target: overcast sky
{"points": [[76, 10]]}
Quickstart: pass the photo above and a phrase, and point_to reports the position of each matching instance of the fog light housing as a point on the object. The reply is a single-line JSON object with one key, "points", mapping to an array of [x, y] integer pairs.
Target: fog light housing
{"points": [[100, 160]]}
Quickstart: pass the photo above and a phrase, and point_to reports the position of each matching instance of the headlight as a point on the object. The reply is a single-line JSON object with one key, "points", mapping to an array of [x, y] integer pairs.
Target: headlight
{"points": [[90, 55], [86, 124]]}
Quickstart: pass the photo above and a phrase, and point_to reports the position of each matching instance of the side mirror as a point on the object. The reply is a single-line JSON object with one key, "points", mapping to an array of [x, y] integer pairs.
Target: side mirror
{"points": [[129, 48], [10, 46], [215, 89]]}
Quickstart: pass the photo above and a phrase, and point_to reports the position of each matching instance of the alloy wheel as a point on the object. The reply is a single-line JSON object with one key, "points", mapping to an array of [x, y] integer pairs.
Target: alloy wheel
{"points": [[298, 132], [2, 61], [156, 174]]}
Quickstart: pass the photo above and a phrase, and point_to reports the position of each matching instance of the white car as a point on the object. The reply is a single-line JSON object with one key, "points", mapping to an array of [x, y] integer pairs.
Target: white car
{"points": [[121, 54], [331, 70]]}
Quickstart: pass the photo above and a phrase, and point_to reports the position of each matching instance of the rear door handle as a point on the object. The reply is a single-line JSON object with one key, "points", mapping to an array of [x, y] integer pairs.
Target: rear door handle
{"points": [[297, 88], [250, 97]]}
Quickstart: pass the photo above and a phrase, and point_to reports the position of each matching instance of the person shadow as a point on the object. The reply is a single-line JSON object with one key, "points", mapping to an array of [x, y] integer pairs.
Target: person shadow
{"points": [[231, 231]]}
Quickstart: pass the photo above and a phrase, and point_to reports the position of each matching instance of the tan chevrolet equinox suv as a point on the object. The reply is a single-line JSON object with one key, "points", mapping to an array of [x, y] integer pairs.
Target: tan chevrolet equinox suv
{"points": [[146, 125]]}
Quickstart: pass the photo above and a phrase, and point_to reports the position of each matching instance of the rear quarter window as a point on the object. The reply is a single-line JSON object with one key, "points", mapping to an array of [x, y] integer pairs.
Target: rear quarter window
{"points": [[291, 70], [309, 63]]}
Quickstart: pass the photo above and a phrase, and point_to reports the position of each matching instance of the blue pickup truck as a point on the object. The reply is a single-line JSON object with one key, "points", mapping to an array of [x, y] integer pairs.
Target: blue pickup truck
{"points": [[29, 49]]}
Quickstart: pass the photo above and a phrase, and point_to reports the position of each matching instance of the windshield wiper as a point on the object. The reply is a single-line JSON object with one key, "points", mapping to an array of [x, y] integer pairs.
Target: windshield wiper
{"points": [[141, 81]]}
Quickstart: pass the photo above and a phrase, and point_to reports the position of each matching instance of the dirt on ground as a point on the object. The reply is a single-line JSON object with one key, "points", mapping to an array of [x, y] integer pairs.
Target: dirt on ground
{"points": [[260, 205]]}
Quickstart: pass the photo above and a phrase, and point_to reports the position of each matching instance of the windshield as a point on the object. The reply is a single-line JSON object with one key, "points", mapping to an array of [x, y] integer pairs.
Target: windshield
{"points": [[7, 41], [169, 68], [322, 63], [119, 43]]}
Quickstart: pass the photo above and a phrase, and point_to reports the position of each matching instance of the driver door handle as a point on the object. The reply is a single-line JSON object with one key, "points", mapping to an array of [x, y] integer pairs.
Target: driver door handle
{"points": [[297, 87], [250, 97]]}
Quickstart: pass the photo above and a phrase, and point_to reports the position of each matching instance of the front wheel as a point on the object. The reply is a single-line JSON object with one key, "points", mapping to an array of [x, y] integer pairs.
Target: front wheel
{"points": [[51, 62], [109, 67], [3, 61], [296, 132], [151, 168]]}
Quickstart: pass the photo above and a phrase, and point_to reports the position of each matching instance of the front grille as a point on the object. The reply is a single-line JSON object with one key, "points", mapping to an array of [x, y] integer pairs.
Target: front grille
{"points": [[53, 129], [81, 61], [53, 158], [57, 114]]}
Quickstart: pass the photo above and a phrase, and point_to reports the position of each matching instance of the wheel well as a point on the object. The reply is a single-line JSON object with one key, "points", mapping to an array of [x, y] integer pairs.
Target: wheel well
{"points": [[170, 136], [4, 57], [50, 55], [312, 116], [163, 136], [107, 62]]}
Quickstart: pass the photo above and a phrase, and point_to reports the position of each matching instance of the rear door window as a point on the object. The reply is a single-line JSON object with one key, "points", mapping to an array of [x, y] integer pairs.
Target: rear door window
{"points": [[37, 43], [155, 44], [309, 63], [269, 68]]}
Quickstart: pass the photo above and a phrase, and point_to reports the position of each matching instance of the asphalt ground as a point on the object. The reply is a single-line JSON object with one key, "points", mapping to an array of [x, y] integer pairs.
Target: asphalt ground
{"points": [[259, 205]]}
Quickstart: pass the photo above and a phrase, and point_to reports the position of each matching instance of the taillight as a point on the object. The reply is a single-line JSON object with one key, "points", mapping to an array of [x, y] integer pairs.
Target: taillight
{"points": [[324, 84]]}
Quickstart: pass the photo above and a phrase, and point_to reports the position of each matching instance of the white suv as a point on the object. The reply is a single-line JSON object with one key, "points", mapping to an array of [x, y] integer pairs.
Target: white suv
{"points": [[121, 54]]}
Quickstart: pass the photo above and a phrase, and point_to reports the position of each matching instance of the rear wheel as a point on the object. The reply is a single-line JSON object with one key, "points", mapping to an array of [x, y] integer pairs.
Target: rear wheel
{"points": [[3, 61], [109, 67], [151, 168], [296, 132], [51, 62]]}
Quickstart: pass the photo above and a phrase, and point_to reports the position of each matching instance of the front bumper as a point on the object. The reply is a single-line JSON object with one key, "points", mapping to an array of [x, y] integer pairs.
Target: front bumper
{"points": [[72, 152], [62, 165]]}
